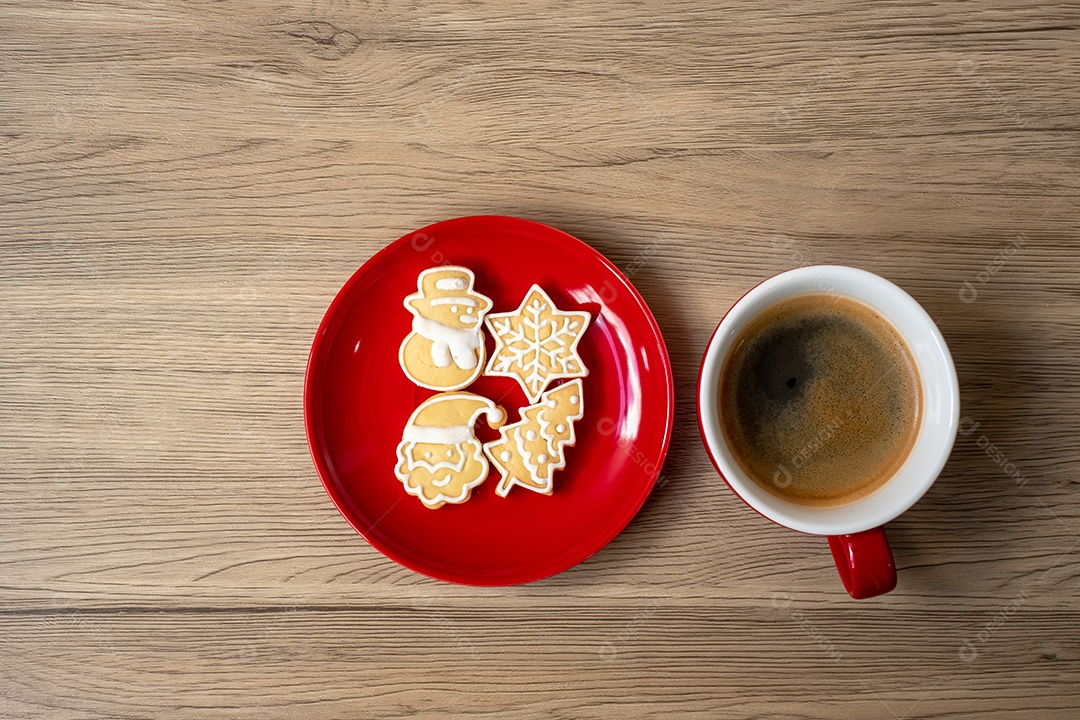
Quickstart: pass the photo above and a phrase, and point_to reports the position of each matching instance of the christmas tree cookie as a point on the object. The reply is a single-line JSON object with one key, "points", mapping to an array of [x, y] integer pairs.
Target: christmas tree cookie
{"points": [[529, 452]]}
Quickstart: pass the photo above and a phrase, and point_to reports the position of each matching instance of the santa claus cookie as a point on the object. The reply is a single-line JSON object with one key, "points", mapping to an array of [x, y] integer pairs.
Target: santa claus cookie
{"points": [[445, 350], [529, 452], [439, 458], [537, 343]]}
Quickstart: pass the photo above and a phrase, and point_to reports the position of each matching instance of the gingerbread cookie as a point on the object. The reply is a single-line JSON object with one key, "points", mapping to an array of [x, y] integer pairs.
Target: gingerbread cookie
{"points": [[537, 343], [445, 350], [439, 458], [529, 452]]}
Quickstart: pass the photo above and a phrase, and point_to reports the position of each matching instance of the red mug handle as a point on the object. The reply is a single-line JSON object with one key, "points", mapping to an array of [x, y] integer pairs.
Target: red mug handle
{"points": [[865, 562]]}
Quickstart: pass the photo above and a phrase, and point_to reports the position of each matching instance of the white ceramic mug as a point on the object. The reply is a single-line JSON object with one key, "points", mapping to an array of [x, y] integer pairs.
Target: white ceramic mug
{"points": [[855, 531]]}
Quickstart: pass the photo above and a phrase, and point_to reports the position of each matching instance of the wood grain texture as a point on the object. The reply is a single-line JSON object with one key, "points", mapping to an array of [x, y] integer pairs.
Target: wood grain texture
{"points": [[185, 185]]}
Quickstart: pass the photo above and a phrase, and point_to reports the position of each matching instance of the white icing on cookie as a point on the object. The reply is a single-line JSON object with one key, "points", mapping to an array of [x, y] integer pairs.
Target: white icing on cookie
{"points": [[406, 448], [466, 301], [450, 284], [460, 344], [532, 467], [437, 435]]}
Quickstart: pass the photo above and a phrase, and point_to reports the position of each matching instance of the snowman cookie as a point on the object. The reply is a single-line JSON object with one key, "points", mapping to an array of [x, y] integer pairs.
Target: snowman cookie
{"points": [[529, 452], [445, 350], [439, 459]]}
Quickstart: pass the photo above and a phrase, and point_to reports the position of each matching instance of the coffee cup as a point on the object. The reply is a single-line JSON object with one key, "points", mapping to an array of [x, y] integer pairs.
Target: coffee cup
{"points": [[854, 529]]}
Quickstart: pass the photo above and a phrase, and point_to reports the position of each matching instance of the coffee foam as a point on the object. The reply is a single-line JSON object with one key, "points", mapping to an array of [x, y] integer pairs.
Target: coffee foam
{"points": [[819, 400]]}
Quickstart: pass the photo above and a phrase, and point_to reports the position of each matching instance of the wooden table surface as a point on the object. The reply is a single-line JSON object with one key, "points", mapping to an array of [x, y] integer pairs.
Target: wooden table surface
{"points": [[185, 185]]}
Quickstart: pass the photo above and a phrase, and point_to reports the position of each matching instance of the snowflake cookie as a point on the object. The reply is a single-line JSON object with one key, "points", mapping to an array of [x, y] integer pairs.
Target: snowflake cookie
{"points": [[529, 452], [537, 343]]}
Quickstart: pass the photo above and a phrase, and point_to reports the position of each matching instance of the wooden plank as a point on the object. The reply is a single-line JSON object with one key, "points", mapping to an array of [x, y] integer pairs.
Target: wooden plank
{"points": [[643, 660]]}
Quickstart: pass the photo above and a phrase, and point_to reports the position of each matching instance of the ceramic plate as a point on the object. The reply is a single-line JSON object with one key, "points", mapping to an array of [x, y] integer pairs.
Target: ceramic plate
{"points": [[357, 401]]}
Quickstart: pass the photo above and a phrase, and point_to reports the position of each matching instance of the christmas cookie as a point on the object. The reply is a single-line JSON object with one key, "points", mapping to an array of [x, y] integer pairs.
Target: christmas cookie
{"points": [[445, 350], [439, 458], [528, 452], [537, 343]]}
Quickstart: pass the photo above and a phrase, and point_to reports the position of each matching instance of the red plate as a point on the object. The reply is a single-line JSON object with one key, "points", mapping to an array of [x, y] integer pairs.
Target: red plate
{"points": [[357, 401]]}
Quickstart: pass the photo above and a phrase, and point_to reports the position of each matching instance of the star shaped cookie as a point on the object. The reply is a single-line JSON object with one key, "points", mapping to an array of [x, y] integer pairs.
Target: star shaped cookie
{"points": [[537, 343]]}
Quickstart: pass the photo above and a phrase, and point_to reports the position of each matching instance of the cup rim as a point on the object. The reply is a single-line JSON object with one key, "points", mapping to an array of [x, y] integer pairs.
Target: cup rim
{"points": [[878, 507]]}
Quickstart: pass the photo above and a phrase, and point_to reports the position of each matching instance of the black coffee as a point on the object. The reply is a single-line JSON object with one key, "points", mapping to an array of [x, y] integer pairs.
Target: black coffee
{"points": [[819, 400]]}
